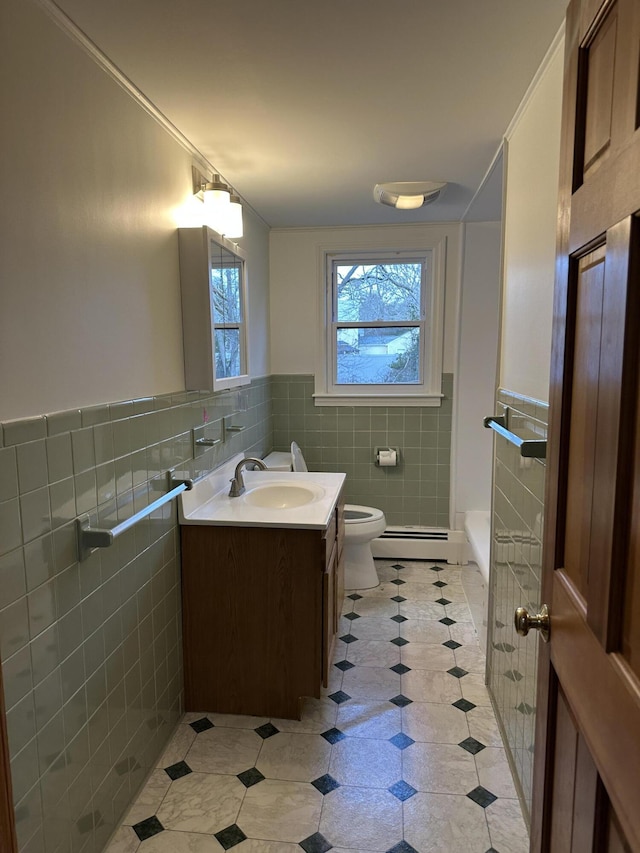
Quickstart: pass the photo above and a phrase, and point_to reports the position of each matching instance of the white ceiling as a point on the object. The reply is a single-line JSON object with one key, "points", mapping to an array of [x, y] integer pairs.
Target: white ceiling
{"points": [[304, 106]]}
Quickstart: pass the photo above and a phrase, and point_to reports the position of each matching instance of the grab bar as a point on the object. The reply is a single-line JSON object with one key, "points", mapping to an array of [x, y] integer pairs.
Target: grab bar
{"points": [[530, 448], [89, 537]]}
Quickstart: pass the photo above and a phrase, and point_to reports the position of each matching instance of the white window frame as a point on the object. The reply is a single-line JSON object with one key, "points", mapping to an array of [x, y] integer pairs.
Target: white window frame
{"points": [[426, 393]]}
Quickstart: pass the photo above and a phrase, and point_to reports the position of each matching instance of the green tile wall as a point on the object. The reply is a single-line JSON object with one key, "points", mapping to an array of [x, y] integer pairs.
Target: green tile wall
{"points": [[91, 652], [516, 550], [342, 438]]}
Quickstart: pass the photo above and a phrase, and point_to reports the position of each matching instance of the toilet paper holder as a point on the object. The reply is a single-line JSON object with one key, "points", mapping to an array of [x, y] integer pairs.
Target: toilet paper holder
{"points": [[376, 456]]}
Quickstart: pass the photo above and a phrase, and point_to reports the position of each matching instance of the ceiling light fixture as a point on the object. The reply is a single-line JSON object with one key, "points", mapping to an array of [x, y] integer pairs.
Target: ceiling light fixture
{"points": [[408, 195]]}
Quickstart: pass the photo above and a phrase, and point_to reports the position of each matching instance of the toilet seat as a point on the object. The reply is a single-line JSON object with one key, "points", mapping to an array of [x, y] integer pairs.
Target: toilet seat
{"points": [[355, 514]]}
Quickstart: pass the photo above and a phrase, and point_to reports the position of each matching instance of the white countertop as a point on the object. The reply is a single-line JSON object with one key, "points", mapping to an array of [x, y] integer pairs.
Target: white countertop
{"points": [[209, 503]]}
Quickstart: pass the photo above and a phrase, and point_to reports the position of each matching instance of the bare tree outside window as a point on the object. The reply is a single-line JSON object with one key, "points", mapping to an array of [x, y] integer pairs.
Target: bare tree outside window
{"points": [[379, 314]]}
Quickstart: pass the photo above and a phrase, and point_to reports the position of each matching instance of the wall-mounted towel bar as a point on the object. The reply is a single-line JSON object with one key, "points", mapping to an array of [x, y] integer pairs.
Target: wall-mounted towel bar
{"points": [[102, 537], [531, 448]]}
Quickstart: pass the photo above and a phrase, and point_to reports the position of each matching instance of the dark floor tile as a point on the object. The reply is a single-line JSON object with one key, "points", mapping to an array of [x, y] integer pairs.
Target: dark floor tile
{"points": [[451, 644], [482, 797], [354, 596], [447, 621], [230, 837], [398, 581], [472, 745], [398, 598], [339, 697], [397, 566], [333, 735], [177, 771], [443, 601], [402, 847], [316, 843], [325, 784], [351, 616], [439, 584], [463, 705], [398, 618], [457, 672], [401, 741], [400, 669], [148, 828], [348, 638], [250, 777], [344, 665], [402, 790], [437, 568], [267, 730], [201, 725], [399, 641], [401, 701]]}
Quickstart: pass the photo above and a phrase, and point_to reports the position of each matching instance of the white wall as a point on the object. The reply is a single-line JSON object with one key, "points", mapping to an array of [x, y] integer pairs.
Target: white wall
{"points": [[472, 446], [531, 200], [294, 285], [91, 187]]}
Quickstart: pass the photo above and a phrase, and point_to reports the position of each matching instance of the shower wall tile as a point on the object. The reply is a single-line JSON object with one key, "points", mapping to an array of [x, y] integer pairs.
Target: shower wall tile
{"points": [[516, 553], [343, 438], [91, 652]]}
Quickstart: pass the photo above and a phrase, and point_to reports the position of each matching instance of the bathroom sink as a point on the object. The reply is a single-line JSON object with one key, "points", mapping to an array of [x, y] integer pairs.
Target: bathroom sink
{"points": [[284, 495]]}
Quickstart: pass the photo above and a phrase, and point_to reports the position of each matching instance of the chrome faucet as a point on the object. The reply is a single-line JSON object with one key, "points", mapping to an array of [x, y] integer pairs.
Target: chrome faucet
{"points": [[237, 484]]}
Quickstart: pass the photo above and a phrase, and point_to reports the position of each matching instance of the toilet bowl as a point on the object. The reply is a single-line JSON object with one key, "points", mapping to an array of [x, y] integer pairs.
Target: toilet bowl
{"points": [[361, 525]]}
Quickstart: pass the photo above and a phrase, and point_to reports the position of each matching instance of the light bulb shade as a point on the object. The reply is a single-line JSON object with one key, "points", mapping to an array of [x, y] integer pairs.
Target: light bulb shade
{"points": [[408, 195], [234, 226], [409, 202], [216, 196]]}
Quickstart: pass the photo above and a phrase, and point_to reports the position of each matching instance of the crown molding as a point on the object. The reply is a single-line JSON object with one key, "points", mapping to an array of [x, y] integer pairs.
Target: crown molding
{"points": [[101, 59]]}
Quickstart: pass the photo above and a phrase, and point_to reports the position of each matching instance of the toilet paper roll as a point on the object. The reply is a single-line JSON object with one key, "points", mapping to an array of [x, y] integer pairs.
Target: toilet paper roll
{"points": [[387, 458]]}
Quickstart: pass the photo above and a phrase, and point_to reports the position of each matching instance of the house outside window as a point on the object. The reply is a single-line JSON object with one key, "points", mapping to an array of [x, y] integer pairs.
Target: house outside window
{"points": [[384, 316]]}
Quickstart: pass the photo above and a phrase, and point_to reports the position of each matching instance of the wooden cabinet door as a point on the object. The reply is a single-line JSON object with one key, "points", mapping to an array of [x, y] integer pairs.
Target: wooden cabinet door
{"points": [[587, 759], [328, 615]]}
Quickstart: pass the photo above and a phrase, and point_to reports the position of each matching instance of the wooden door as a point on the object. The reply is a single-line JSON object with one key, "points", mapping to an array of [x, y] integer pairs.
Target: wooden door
{"points": [[587, 761]]}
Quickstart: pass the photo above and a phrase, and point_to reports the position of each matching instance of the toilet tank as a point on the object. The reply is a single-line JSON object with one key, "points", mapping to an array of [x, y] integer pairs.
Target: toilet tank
{"points": [[278, 460]]}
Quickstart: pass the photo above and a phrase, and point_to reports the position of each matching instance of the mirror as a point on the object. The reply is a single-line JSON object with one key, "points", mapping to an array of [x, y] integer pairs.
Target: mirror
{"points": [[213, 280]]}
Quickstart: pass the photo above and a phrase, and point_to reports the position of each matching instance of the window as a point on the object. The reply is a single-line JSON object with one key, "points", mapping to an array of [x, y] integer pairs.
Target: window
{"points": [[384, 329]]}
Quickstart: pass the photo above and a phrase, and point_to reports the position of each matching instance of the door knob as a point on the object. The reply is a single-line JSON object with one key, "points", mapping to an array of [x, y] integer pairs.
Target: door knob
{"points": [[541, 622]]}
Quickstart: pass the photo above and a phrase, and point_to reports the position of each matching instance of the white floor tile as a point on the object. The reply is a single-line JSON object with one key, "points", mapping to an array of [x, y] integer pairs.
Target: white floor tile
{"points": [[366, 762], [362, 817], [294, 757], [280, 811], [445, 823]]}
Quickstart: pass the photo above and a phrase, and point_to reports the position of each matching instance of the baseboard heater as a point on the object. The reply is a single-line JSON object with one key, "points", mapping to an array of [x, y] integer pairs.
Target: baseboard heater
{"points": [[422, 543]]}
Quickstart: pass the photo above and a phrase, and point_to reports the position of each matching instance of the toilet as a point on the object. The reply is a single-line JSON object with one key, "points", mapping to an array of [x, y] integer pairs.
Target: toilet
{"points": [[362, 524]]}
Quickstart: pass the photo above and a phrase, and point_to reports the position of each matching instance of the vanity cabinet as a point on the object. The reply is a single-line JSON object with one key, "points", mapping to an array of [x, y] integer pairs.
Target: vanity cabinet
{"points": [[260, 614]]}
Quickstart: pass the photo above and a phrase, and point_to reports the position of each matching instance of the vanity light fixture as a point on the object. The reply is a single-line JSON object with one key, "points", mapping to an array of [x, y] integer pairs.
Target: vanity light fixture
{"points": [[216, 196], [234, 228], [408, 195], [216, 205]]}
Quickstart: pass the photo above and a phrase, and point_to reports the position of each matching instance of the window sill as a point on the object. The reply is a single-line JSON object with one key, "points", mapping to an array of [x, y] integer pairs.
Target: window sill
{"points": [[388, 400]]}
